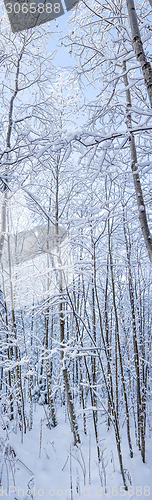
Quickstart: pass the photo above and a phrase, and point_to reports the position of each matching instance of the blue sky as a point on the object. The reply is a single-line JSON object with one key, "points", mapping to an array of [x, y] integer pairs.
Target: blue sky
{"points": [[58, 30]]}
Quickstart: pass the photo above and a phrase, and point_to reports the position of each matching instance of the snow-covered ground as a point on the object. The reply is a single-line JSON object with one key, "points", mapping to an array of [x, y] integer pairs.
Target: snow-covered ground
{"points": [[48, 465]]}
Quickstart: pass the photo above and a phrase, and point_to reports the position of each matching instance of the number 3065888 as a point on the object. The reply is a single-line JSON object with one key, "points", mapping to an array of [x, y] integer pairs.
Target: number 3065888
{"points": [[33, 8]]}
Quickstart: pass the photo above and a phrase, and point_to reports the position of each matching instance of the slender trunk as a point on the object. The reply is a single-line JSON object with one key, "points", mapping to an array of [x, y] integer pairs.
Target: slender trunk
{"points": [[138, 48], [129, 371], [107, 336], [9, 353], [93, 359], [138, 189], [47, 363], [136, 350], [20, 397], [48, 373], [70, 403], [82, 398], [29, 376], [119, 352], [3, 223]]}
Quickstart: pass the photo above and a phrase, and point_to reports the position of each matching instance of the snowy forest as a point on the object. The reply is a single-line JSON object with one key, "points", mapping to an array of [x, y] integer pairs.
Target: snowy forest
{"points": [[76, 254]]}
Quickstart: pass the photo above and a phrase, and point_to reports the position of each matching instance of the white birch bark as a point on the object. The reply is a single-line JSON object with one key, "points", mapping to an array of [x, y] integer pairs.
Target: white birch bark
{"points": [[136, 178], [138, 47]]}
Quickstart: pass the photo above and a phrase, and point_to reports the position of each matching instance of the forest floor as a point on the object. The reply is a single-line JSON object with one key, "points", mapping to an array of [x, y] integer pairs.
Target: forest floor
{"points": [[48, 465]]}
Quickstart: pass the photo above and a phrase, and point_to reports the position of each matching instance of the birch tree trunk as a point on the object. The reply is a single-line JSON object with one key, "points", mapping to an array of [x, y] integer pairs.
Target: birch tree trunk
{"points": [[136, 178], [138, 47]]}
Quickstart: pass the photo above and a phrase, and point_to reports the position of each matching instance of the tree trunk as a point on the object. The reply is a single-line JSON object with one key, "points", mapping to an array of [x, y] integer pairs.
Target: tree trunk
{"points": [[141, 438], [136, 178], [138, 47], [117, 337], [70, 403]]}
